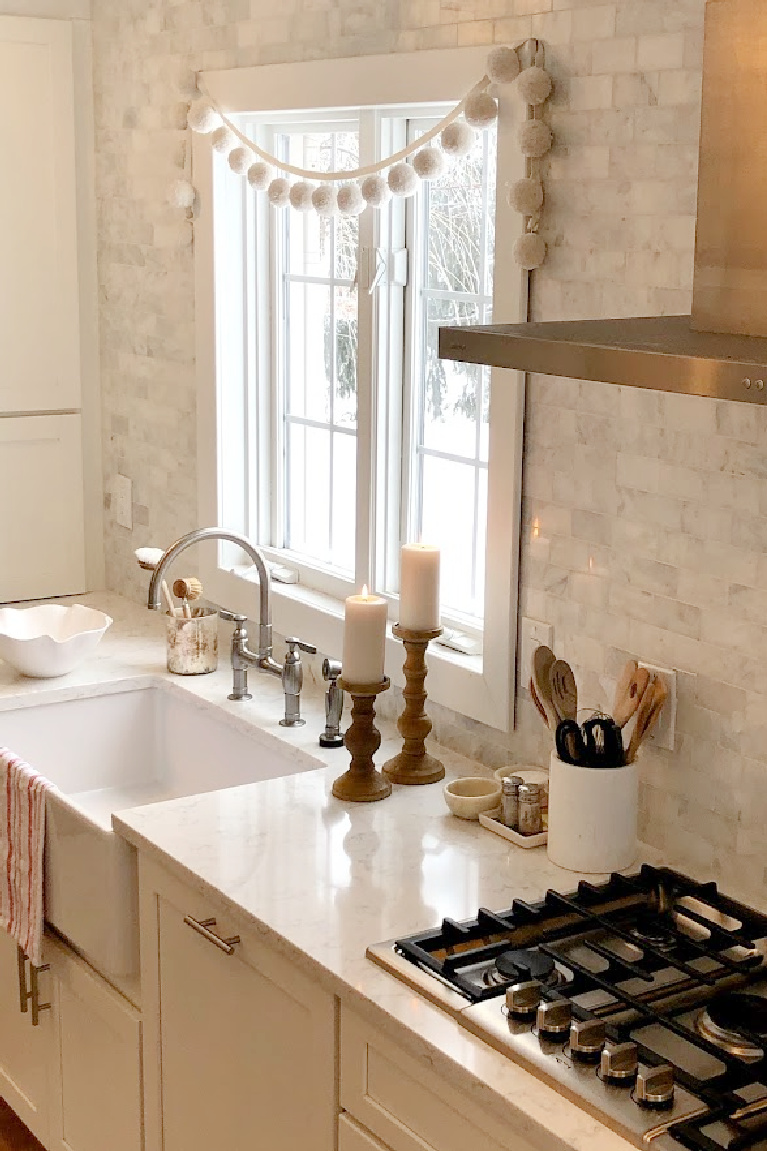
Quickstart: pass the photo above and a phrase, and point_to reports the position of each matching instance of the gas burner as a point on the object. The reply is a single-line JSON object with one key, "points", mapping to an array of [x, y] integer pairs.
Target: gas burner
{"points": [[728, 1016], [649, 929], [521, 966]]}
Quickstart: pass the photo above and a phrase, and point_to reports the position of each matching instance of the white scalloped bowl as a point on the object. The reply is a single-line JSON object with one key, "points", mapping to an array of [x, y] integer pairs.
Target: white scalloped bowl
{"points": [[51, 639]]}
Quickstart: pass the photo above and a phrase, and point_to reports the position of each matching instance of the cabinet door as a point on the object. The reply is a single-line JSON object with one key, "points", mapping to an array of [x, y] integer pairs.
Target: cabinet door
{"points": [[39, 312], [97, 1091], [41, 507], [24, 1050], [246, 1043]]}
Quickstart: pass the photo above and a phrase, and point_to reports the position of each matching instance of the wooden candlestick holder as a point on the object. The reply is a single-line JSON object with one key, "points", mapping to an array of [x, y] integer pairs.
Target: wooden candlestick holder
{"points": [[413, 765], [362, 783]]}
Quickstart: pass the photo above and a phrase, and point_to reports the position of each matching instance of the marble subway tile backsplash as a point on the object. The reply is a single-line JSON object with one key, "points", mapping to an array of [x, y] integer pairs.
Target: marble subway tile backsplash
{"points": [[645, 515]]}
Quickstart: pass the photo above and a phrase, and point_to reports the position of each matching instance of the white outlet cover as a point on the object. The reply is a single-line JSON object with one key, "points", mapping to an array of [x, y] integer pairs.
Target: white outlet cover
{"points": [[534, 633], [664, 732], [122, 501]]}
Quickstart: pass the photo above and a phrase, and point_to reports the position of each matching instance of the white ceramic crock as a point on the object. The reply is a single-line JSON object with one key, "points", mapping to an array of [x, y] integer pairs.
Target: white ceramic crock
{"points": [[592, 817]]}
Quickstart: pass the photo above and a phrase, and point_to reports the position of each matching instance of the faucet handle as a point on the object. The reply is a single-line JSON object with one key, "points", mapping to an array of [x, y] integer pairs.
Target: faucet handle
{"points": [[331, 669], [232, 616], [309, 648]]}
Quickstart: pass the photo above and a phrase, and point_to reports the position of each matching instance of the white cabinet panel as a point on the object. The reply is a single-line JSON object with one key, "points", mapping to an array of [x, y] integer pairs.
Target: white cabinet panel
{"points": [[352, 1137], [25, 1051], [39, 309], [41, 507]]}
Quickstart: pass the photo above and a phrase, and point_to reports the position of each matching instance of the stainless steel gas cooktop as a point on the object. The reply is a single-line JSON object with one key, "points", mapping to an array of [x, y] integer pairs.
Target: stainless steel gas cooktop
{"points": [[644, 999]]}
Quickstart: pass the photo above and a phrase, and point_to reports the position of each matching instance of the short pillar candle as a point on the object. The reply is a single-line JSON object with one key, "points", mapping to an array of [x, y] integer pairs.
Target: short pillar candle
{"points": [[364, 638], [419, 587]]}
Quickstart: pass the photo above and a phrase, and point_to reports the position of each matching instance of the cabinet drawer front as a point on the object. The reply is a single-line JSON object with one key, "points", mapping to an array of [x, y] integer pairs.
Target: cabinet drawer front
{"points": [[352, 1137], [407, 1105]]}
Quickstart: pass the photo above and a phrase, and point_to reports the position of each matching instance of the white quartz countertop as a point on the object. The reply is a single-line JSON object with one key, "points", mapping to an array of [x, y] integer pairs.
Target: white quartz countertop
{"points": [[321, 880]]}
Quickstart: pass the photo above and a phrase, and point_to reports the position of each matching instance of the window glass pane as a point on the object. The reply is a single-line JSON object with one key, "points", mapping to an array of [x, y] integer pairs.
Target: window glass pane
{"points": [[345, 400], [449, 517], [308, 527], [308, 365], [450, 389], [344, 501]]}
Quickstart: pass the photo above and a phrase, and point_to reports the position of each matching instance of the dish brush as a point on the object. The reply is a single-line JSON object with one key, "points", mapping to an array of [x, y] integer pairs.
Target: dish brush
{"points": [[148, 559], [186, 589]]}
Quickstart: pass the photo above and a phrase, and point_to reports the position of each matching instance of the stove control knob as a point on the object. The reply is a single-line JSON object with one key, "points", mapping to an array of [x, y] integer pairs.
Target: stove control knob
{"points": [[619, 1062], [554, 1017], [587, 1038], [523, 998], [655, 1086]]}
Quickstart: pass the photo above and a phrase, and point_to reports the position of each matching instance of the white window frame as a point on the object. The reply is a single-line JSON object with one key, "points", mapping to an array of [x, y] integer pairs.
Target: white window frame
{"points": [[481, 687]]}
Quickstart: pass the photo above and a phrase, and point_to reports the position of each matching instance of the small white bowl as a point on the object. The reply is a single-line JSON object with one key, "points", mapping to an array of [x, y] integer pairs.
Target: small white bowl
{"points": [[51, 639], [470, 796]]}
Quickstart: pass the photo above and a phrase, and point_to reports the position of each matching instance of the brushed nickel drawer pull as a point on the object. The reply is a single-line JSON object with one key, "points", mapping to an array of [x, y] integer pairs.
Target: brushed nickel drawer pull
{"points": [[34, 993], [23, 993], [203, 926]]}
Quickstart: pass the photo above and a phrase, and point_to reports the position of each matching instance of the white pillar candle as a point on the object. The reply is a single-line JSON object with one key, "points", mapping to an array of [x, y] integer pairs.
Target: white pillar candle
{"points": [[364, 639], [419, 587]]}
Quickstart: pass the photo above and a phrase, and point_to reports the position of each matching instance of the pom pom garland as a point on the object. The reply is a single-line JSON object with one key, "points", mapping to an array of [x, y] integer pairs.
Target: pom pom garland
{"points": [[301, 196], [350, 200], [182, 194], [279, 192], [239, 160], [203, 118], [457, 139], [429, 163], [223, 140], [503, 65], [324, 200], [534, 85], [535, 139], [403, 180], [480, 110], [375, 191], [530, 251], [259, 176], [526, 196]]}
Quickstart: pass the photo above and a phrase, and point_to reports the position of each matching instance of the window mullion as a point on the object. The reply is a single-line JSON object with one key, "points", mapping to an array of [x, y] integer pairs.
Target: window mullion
{"points": [[366, 375]]}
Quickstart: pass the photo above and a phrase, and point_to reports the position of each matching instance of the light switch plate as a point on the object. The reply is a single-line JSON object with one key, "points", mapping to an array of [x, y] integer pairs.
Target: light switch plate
{"points": [[533, 633], [664, 732], [122, 501]]}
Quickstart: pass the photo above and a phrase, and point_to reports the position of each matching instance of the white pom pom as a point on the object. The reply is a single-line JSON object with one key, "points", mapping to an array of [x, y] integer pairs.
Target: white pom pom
{"points": [[526, 196], [259, 176], [203, 118], [324, 200], [223, 140], [534, 85], [480, 110], [530, 251], [403, 180], [350, 200], [503, 65], [535, 139], [182, 194], [301, 196], [429, 163], [239, 160], [457, 139], [279, 192], [375, 191]]}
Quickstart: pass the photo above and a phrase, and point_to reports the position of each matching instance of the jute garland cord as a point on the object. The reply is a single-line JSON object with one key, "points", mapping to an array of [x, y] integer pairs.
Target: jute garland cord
{"points": [[349, 192]]}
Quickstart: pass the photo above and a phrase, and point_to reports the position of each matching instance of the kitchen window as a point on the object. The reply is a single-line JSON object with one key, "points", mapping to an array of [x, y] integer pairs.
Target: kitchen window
{"points": [[335, 431]]}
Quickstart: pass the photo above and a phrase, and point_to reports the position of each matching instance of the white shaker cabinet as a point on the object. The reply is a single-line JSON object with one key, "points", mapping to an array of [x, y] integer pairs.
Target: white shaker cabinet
{"points": [[239, 1042], [25, 1051]]}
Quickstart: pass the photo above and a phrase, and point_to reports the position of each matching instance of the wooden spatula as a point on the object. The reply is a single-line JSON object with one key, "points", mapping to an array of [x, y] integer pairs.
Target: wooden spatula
{"points": [[564, 690], [650, 707], [543, 659], [631, 687], [538, 705]]}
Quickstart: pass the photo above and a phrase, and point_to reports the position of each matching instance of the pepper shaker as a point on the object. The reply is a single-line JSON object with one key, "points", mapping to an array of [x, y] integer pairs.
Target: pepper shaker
{"points": [[529, 797], [510, 786]]}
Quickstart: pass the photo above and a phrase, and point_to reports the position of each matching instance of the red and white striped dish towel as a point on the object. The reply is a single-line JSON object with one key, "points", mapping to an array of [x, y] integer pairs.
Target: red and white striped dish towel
{"points": [[22, 853]]}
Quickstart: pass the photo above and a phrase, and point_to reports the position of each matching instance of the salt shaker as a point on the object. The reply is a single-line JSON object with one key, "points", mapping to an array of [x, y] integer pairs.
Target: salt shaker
{"points": [[510, 786], [529, 798]]}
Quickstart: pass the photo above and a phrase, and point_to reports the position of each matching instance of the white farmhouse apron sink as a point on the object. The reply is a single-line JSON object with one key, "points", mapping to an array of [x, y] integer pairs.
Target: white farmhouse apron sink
{"points": [[110, 752]]}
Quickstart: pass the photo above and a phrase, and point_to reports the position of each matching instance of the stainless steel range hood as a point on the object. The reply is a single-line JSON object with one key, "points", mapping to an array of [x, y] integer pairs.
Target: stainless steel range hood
{"points": [[721, 349]]}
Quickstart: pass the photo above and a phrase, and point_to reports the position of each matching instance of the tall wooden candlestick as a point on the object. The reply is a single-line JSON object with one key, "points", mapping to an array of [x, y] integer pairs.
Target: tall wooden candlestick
{"points": [[413, 765], [362, 783]]}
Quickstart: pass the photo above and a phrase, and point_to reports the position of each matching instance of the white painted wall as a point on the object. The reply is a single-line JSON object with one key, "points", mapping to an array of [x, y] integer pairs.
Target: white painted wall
{"points": [[54, 9]]}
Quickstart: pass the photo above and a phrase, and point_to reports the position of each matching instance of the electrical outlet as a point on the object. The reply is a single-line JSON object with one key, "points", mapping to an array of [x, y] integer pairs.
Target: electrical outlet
{"points": [[664, 731], [122, 501], [533, 634]]}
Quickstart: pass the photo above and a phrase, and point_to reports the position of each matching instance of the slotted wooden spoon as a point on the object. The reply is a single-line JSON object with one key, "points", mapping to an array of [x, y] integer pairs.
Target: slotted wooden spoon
{"points": [[564, 690], [631, 687]]}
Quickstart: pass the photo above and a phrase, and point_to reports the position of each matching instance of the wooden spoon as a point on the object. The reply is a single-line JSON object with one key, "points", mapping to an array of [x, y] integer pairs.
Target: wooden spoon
{"points": [[538, 704], [543, 659], [650, 707], [564, 690], [631, 687]]}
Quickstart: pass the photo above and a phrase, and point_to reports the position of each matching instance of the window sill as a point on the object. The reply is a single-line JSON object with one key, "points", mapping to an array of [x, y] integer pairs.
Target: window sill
{"points": [[455, 681]]}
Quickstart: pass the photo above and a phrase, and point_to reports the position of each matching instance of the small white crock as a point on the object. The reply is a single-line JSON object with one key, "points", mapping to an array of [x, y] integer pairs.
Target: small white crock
{"points": [[592, 817]]}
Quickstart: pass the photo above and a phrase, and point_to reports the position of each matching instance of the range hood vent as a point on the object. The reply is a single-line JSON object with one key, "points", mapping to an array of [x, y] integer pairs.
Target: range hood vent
{"points": [[683, 353], [660, 353]]}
